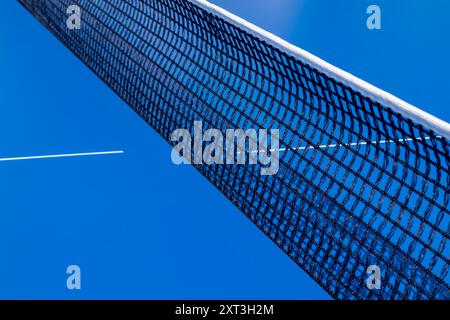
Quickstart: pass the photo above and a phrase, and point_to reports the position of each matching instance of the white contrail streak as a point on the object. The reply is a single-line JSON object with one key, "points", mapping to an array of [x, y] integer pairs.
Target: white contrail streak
{"points": [[362, 143], [353, 144], [67, 155]]}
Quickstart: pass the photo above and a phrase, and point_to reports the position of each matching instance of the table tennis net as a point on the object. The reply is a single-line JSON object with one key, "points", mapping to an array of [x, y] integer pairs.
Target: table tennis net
{"points": [[359, 183]]}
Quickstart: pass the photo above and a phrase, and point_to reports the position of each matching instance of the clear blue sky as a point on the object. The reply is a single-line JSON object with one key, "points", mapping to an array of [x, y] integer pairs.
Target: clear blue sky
{"points": [[138, 226]]}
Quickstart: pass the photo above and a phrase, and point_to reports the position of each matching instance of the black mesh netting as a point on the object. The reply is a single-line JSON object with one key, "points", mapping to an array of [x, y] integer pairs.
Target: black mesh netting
{"points": [[358, 183]]}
